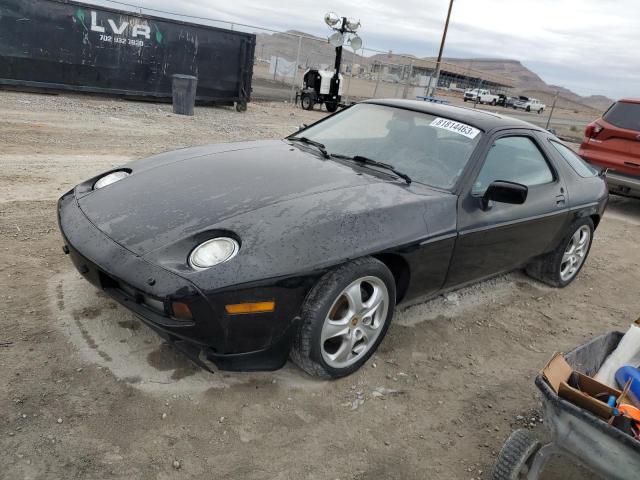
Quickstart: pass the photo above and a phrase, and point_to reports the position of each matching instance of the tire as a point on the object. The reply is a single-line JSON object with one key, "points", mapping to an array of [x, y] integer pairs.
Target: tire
{"points": [[306, 101], [515, 108], [241, 106], [515, 458], [465, 99], [331, 106], [493, 102], [548, 268], [540, 111], [328, 300], [528, 108]]}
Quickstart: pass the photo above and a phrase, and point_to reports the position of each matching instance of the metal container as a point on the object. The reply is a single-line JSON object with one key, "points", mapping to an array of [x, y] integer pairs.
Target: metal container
{"points": [[66, 45]]}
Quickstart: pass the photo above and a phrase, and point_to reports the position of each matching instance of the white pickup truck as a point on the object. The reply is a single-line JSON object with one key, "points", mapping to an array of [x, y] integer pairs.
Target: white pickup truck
{"points": [[482, 95], [529, 105]]}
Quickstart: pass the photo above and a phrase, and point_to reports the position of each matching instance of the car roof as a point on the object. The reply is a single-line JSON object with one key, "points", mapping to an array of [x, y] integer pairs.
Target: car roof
{"points": [[630, 100], [478, 118]]}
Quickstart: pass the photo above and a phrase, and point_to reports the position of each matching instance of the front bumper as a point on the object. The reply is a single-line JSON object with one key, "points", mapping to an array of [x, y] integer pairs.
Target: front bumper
{"points": [[247, 343]]}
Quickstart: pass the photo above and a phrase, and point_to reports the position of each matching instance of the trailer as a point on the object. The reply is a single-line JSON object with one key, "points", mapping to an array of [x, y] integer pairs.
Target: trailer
{"points": [[64, 45]]}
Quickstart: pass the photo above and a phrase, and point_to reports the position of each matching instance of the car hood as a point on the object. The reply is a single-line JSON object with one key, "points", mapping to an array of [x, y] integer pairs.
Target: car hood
{"points": [[175, 195]]}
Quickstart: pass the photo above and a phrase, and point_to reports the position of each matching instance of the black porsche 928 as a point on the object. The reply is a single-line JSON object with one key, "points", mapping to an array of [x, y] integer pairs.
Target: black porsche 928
{"points": [[243, 255]]}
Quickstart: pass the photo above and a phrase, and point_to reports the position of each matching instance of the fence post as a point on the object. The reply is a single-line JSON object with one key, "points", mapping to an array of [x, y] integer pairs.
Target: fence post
{"points": [[275, 69], [406, 84], [295, 70], [353, 59], [395, 94], [375, 90]]}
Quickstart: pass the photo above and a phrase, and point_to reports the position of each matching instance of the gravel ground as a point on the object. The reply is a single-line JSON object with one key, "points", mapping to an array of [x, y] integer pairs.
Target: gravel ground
{"points": [[89, 392]]}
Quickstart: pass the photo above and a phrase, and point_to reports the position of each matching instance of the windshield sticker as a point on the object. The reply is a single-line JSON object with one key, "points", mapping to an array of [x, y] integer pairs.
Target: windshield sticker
{"points": [[456, 127]]}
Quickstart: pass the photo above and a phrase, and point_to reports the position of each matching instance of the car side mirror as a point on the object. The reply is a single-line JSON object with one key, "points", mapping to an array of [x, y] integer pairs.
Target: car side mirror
{"points": [[504, 192], [302, 126]]}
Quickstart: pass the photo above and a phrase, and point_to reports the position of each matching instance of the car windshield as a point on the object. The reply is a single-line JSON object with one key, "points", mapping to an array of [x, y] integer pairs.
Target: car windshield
{"points": [[431, 150], [624, 115]]}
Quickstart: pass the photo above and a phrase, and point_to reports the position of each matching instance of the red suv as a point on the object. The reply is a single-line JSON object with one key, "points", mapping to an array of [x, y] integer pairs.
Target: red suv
{"points": [[613, 142]]}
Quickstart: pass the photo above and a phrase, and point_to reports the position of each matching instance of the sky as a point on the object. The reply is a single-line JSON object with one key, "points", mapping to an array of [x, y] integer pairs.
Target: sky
{"points": [[589, 46]]}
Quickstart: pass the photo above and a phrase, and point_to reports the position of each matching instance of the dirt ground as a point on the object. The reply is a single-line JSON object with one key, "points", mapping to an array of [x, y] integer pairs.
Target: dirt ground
{"points": [[87, 391]]}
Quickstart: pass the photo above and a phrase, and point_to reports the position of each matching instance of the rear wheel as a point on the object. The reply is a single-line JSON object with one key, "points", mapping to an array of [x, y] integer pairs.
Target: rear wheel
{"points": [[306, 101], [344, 318], [561, 266], [465, 99], [516, 456], [241, 106]]}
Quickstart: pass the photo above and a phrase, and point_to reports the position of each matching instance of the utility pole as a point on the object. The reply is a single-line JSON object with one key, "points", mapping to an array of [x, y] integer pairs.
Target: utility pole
{"points": [[553, 106], [439, 61]]}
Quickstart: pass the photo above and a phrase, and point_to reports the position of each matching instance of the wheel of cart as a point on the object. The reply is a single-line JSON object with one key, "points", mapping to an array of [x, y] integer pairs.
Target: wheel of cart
{"points": [[306, 101], [576, 433], [331, 106], [515, 460]]}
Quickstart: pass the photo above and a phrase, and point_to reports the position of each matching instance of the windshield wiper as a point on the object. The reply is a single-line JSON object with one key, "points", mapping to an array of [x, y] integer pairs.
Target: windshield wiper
{"points": [[374, 163], [318, 145]]}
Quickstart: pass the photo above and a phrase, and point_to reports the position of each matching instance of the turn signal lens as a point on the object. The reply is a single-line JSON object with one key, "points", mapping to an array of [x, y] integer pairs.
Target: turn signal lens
{"points": [[257, 307], [181, 310]]}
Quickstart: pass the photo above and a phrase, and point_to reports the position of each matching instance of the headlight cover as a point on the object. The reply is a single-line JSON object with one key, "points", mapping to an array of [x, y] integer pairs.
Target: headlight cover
{"points": [[213, 252], [110, 178]]}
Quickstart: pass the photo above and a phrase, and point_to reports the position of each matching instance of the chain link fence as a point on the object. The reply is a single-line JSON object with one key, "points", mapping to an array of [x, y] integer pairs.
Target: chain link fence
{"points": [[282, 58]]}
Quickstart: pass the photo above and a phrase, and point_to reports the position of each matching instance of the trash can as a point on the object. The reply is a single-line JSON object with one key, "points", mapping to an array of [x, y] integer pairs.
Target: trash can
{"points": [[184, 94]]}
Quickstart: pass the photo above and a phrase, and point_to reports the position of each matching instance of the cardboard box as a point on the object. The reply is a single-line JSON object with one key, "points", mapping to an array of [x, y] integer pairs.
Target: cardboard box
{"points": [[592, 395]]}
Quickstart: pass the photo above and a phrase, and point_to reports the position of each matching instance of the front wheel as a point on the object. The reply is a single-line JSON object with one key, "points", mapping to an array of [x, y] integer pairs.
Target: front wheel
{"points": [[528, 108], [344, 318], [540, 111], [306, 101], [561, 266], [493, 102]]}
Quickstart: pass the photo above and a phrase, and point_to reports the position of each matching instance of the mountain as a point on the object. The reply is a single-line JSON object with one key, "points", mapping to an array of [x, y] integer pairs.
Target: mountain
{"points": [[528, 82]]}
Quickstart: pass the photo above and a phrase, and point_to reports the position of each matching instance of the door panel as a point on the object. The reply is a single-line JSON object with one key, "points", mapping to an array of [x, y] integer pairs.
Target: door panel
{"points": [[506, 236]]}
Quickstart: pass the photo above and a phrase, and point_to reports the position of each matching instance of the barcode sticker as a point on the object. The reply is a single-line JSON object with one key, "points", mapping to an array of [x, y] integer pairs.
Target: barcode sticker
{"points": [[456, 127]]}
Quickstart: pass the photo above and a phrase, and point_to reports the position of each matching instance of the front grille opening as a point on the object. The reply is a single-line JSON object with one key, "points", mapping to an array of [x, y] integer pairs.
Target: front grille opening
{"points": [[132, 293]]}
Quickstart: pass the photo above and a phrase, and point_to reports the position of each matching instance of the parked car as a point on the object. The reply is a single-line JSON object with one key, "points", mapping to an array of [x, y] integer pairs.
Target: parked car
{"points": [[613, 142], [244, 254], [529, 105], [510, 101], [482, 96]]}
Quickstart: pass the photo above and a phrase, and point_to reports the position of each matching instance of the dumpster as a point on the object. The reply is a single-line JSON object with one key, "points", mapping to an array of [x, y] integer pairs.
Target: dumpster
{"points": [[576, 432], [67, 45]]}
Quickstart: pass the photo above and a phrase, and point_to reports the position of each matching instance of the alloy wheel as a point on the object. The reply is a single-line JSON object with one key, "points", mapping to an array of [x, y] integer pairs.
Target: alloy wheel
{"points": [[354, 322], [575, 253]]}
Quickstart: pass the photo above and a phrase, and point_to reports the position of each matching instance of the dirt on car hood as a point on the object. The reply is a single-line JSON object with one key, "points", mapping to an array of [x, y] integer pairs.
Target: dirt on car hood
{"points": [[174, 195]]}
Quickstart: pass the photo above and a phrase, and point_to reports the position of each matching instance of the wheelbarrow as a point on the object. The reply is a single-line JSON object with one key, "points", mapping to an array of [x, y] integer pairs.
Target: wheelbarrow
{"points": [[575, 432]]}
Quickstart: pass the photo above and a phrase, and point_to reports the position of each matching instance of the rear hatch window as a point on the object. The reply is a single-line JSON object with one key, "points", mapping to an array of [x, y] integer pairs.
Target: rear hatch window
{"points": [[624, 115]]}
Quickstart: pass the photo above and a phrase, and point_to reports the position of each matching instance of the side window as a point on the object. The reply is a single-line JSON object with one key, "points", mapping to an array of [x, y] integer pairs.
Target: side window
{"points": [[581, 167], [513, 159]]}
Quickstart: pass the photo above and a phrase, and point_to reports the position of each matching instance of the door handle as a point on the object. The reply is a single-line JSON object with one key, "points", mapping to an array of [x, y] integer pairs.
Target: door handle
{"points": [[560, 199]]}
